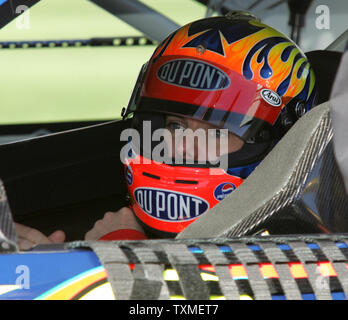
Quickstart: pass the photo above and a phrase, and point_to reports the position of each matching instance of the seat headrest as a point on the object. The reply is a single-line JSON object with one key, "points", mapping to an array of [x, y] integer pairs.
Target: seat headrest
{"points": [[325, 64]]}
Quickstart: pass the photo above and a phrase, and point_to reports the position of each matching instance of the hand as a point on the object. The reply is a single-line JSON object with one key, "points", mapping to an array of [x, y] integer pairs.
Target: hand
{"points": [[112, 221], [29, 237]]}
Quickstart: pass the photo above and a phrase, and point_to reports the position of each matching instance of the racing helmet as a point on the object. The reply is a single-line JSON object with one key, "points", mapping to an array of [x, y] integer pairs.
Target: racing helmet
{"points": [[232, 72]]}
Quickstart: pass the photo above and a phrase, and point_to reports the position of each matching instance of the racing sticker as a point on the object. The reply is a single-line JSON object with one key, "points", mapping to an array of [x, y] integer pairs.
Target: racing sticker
{"points": [[223, 190], [129, 175], [87, 285], [193, 74], [169, 205], [271, 97]]}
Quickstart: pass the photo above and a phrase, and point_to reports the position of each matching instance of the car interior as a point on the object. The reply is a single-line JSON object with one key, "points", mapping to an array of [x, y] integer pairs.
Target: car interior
{"points": [[67, 175]]}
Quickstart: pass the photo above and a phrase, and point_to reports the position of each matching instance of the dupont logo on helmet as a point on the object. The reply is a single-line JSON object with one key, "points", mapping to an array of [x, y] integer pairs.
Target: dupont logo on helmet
{"points": [[169, 205], [193, 74], [271, 97], [223, 190]]}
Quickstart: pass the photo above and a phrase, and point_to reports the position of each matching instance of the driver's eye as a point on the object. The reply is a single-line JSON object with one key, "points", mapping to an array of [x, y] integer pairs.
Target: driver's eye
{"points": [[175, 125], [218, 133]]}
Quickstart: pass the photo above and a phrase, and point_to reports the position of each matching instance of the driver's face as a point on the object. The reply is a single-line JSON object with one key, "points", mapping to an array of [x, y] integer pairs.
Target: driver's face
{"points": [[203, 142]]}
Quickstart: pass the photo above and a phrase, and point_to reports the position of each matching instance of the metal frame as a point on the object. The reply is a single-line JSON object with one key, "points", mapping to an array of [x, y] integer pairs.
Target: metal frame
{"points": [[153, 24]]}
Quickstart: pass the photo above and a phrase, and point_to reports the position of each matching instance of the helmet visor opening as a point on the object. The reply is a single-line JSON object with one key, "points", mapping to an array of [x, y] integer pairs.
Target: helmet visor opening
{"points": [[244, 126]]}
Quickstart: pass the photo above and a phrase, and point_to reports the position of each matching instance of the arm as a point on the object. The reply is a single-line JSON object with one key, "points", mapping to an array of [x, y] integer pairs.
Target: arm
{"points": [[120, 225], [29, 237]]}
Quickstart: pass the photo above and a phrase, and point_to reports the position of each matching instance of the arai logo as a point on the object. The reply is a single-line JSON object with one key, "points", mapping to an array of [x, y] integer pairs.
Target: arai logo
{"points": [[271, 97], [169, 205], [193, 74]]}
